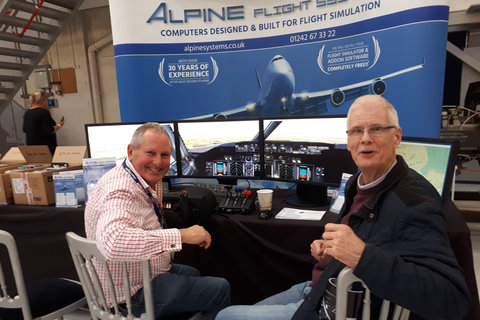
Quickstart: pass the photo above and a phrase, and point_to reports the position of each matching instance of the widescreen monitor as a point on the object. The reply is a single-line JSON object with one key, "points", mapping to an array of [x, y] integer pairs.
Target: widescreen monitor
{"points": [[433, 158], [112, 139], [221, 149], [311, 152]]}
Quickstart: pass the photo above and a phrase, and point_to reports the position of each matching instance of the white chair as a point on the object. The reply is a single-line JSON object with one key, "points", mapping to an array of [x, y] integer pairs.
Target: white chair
{"points": [[44, 300], [344, 280], [83, 250]]}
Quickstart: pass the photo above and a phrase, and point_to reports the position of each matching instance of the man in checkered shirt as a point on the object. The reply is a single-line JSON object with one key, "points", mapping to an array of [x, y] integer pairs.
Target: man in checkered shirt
{"points": [[123, 215]]}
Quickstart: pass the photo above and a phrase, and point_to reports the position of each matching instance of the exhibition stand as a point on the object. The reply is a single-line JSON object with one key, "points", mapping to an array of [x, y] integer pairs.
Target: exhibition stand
{"points": [[258, 257]]}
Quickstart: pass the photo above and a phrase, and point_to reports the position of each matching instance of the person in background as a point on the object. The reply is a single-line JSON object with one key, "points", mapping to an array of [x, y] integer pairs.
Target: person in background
{"points": [[391, 231], [38, 124], [124, 216]]}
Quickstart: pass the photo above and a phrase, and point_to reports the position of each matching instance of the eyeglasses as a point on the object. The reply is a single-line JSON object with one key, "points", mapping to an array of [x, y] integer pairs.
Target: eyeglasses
{"points": [[372, 131]]}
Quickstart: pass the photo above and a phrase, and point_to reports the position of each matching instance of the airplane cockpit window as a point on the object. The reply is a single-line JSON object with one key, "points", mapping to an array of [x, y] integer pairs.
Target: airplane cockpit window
{"points": [[311, 150], [220, 148]]}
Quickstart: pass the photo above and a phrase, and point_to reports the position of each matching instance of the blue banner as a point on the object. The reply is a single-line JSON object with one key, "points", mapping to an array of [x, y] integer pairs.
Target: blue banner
{"points": [[186, 59]]}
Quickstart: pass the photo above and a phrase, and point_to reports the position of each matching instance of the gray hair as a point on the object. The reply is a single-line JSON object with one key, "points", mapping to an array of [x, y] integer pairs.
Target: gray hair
{"points": [[376, 99], [137, 138]]}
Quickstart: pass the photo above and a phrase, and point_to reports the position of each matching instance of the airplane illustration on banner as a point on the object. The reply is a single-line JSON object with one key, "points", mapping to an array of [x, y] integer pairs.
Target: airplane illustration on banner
{"points": [[277, 98]]}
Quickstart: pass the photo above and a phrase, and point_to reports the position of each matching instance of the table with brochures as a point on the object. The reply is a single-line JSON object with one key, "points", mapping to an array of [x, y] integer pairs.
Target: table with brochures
{"points": [[258, 257]]}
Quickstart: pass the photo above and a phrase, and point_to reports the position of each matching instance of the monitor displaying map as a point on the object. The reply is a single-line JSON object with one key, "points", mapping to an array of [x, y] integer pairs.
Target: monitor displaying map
{"points": [[432, 158]]}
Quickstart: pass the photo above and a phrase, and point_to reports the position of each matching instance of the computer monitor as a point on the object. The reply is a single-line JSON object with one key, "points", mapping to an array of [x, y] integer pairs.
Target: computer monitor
{"points": [[223, 149], [311, 152], [472, 98], [435, 159], [112, 139]]}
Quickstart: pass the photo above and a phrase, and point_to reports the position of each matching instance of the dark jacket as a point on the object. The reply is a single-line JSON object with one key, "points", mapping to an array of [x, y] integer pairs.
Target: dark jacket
{"points": [[407, 258], [38, 126]]}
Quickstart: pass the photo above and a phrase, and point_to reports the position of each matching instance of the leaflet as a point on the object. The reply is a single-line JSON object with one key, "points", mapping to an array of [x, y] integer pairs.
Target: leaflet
{"points": [[299, 214]]}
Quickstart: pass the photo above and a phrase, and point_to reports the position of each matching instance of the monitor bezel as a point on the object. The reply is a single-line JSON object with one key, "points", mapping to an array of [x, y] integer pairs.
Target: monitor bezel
{"points": [[327, 116]]}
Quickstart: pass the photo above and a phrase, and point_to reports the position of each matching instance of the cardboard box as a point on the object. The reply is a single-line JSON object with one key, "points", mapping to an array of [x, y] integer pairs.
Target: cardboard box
{"points": [[68, 186], [6, 192], [14, 159], [36, 187], [69, 155], [34, 154], [9, 161], [6, 195]]}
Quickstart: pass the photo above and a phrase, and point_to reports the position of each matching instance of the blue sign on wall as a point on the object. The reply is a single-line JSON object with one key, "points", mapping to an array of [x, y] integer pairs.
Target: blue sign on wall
{"points": [[191, 59]]}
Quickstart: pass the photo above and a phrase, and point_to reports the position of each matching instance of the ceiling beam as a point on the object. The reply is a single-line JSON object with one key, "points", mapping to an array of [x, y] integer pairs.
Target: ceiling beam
{"points": [[463, 56]]}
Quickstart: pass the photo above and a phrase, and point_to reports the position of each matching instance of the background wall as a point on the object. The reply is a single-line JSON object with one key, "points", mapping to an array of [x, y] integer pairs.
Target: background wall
{"points": [[71, 51], [91, 25], [459, 5]]}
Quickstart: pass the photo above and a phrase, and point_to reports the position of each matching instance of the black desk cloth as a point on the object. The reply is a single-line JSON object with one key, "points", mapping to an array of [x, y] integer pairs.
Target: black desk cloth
{"points": [[258, 257], [40, 236]]}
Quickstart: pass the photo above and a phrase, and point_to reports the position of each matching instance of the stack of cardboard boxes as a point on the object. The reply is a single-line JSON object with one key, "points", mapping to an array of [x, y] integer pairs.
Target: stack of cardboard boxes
{"points": [[27, 177], [12, 160]]}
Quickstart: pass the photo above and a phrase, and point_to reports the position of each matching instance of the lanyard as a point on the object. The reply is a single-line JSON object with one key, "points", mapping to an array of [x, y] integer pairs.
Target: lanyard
{"points": [[159, 212]]}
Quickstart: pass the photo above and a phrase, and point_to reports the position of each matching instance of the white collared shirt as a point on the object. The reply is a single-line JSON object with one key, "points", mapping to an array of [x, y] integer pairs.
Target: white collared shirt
{"points": [[375, 182]]}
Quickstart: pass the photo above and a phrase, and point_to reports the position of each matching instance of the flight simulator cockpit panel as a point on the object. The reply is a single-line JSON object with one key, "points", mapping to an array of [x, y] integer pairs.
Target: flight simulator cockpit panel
{"points": [[222, 148]]}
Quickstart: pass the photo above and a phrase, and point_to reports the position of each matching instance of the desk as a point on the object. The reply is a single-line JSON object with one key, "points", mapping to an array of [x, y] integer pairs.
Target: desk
{"points": [[258, 257], [40, 236]]}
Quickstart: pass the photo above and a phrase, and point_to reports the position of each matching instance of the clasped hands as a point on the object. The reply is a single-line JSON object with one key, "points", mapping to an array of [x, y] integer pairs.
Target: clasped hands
{"points": [[340, 242]]}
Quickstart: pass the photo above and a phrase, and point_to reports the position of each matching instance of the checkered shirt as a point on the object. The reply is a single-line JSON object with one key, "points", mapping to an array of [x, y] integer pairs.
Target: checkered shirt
{"points": [[120, 216]]}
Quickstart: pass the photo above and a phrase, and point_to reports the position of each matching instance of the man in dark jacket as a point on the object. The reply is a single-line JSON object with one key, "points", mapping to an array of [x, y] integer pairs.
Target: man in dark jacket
{"points": [[391, 232]]}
